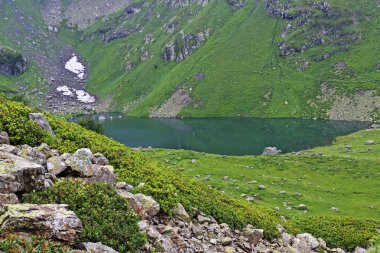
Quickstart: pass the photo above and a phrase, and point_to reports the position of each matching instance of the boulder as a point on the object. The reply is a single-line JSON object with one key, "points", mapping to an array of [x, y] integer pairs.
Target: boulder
{"points": [[45, 149], [151, 207], [135, 204], [305, 242], [99, 159], [54, 220], [180, 213], [84, 152], [103, 174], [56, 165], [80, 166], [302, 207], [370, 142], [96, 248], [10, 149], [226, 241], [19, 175], [7, 198], [360, 250], [40, 119], [4, 138], [33, 155], [271, 151]]}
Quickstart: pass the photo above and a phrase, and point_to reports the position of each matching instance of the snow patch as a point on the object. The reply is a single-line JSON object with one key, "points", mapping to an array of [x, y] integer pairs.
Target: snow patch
{"points": [[81, 95], [84, 97], [65, 91], [75, 66]]}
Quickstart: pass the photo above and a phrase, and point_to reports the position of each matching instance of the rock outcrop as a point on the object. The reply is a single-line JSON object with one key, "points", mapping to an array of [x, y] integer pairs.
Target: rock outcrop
{"points": [[11, 63], [54, 220], [40, 119]]}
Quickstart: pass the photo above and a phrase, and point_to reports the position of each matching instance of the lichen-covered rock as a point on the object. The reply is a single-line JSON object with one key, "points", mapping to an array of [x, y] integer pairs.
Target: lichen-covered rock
{"points": [[150, 206], [271, 151], [19, 175], [305, 243], [40, 119], [84, 152], [180, 213], [54, 220], [80, 166], [33, 155], [103, 174], [7, 198], [4, 138], [99, 159], [96, 248], [56, 165], [10, 149]]}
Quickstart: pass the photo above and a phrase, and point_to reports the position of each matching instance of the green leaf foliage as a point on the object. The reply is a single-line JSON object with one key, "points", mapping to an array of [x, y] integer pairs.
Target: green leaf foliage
{"points": [[106, 217]]}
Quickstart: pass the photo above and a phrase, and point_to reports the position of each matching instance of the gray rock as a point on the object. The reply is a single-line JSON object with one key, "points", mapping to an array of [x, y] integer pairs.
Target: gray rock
{"points": [[180, 213], [121, 185], [271, 151], [103, 174], [54, 220], [97, 248], [334, 209], [302, 207], [151, 207], [10, 149], [19, 175], [370, 142], [33, 155], [100, 159], [7, 198], [56, 165], [262, 187], [360, 250], [84, 152], [4, 138], [226, 241], [80, 166], [305, 242], [40, 119]]}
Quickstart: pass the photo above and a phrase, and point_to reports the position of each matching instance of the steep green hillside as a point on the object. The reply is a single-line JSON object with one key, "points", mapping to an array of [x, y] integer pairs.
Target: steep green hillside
{"points": [[241, 69], [283, 58]]}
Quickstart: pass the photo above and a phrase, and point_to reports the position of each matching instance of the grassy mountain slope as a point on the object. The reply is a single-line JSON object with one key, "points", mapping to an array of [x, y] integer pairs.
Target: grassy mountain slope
{"points": [[244, 73], [345, 177], [314, 60]]}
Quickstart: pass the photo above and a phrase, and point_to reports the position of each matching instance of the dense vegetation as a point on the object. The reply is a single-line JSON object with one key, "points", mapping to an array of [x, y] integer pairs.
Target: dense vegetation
{"points": [[106, 217], [164, 184], [34, 244]]}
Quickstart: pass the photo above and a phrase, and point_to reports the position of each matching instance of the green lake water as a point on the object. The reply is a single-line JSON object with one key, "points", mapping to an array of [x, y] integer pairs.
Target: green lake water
{"points": [[228, 136]]}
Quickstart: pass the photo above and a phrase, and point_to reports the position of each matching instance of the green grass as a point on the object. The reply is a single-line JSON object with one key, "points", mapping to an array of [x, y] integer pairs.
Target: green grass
{"points": [[345, 179]]}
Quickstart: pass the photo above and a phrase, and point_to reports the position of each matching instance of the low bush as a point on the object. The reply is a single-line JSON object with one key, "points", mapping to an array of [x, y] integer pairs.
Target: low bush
{"points": [[35, 244], [343, 232], [106, 217]]}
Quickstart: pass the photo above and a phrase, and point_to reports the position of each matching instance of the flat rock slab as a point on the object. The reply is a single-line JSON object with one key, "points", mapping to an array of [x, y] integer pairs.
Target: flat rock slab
{"points": [[54, 220], [19, 175]]}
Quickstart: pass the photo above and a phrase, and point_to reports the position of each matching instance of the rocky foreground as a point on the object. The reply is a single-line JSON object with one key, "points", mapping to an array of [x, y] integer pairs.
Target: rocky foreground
{"points": [[24, 169]]}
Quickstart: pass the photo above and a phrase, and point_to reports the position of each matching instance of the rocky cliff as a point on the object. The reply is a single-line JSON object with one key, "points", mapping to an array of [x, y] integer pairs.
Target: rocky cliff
{"points": [[11, 62]]}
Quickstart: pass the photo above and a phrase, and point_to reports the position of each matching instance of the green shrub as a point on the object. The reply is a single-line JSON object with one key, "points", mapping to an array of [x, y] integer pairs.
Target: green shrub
{"points": [[35, 244], [90, 124], [106, 217], [343, 232], [14, 119]]}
